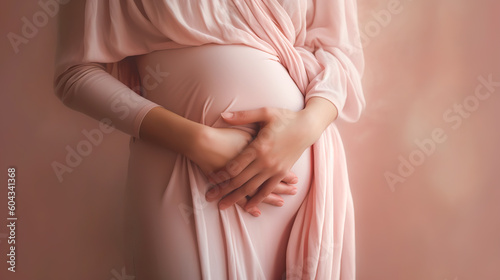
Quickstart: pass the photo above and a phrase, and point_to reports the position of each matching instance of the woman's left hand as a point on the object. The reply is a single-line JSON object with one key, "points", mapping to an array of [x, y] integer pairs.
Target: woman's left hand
{"points": [[257, 170]]}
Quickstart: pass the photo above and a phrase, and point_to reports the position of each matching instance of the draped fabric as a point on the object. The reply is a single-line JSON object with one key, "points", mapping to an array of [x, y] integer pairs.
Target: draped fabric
{"points": [[317, 41]]}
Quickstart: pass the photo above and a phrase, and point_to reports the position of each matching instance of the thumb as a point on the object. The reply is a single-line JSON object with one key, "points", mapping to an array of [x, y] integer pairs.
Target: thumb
{"points": [[247, 117]]}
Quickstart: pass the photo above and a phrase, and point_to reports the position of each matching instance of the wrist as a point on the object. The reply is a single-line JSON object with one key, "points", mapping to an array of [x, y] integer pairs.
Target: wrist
{"points": [[199, 142], [171, 131], [311, 126], [322, 108], [317, 115]]}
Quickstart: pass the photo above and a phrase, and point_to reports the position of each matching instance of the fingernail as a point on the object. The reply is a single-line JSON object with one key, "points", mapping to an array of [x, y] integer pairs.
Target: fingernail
{"points": [[294, 191], [255, 213], [252, 210], [223, 206], [280, 203], [210, 195], [294, 180], [227, 115]]}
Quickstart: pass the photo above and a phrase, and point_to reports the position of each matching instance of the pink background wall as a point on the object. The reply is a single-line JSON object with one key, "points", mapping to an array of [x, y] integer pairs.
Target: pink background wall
{"points": [[424, 62]]}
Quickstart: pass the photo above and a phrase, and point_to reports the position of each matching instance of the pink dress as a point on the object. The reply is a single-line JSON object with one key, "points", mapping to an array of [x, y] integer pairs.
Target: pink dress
{"points": [[198, 59]]}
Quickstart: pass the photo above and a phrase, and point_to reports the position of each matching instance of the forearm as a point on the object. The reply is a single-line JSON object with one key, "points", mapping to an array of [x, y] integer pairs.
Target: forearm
{"points": [[318, 114], [171, 131], [89, 89]]}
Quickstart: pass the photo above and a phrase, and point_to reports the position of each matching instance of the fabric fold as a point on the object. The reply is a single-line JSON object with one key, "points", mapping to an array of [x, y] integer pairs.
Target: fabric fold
{"points": [[317, 41]]}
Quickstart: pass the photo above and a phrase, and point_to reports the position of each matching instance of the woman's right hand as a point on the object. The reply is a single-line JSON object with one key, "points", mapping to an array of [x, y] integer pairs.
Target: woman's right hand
{"points": [[217, 146]]}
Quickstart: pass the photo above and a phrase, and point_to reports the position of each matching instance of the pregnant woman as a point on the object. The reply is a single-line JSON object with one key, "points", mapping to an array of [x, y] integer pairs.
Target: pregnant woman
{"points": [[235, 116]]}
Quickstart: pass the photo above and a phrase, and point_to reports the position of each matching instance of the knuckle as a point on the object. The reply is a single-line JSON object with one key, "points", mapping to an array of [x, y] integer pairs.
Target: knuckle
{"points": [[224, 189], [214, 192], [250, 153], [252, 192], [281, 172], [233, 168], [266, 134], [269, 163], [247, 189], [267, 112], [265, 191], [222, 176], [243, 115], [260, 196], [262, 151], [233, 184]]}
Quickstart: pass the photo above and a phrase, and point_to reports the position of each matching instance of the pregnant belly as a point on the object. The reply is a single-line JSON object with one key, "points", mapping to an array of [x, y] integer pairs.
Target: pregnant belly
{"points": [[201, 82]]}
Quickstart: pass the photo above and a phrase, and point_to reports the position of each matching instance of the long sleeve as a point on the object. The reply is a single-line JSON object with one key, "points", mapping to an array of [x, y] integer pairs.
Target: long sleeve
{"points": [[332, 55], [81, 80], [89, 89]]}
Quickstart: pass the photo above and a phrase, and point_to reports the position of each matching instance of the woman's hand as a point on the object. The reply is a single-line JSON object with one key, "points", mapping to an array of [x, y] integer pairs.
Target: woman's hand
{"points": [[283, 137], [215, 147]]}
